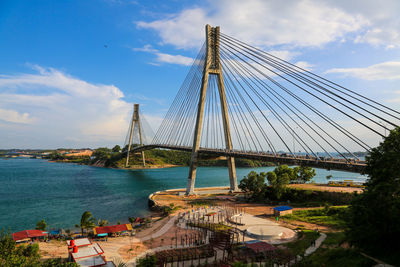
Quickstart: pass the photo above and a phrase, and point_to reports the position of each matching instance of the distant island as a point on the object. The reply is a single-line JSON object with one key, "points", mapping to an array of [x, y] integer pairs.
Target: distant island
{"points": [[116, 157]]}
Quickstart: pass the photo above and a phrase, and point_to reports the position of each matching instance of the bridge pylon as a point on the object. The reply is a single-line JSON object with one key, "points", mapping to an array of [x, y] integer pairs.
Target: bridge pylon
{"points": [[135, 122], [212, 66]]}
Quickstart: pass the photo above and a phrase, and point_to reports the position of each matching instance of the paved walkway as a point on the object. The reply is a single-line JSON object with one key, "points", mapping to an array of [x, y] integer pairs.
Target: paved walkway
{"points": [[318, 243], [162, 231]]}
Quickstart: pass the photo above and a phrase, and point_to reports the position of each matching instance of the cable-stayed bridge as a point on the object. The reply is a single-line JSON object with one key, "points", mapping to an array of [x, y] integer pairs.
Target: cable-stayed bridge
{"points": [[239, 101]]}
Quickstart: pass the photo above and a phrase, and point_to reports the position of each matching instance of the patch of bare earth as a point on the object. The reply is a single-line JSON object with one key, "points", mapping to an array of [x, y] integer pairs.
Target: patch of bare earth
{"points": [[169, 240], [323, 187], [53, 249]]}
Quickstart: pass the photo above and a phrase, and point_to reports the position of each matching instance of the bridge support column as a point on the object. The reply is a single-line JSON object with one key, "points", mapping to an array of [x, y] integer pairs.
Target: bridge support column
{"points": [[135, 121], [212, 66]]}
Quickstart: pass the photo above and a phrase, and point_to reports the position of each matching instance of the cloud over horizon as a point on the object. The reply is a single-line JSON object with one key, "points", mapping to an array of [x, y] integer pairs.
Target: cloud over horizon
{"points": [[66, 111], [389, 70]]}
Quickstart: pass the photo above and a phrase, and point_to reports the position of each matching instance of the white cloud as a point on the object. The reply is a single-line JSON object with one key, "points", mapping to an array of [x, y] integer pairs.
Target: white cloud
{"points": [[57, 110], [263, 23], [396, 99], [383, 20], [165, 58], [389, 70], [174, 59], [291, 22], [146, 48], [304, 65], [284, 54], [14, 116]]}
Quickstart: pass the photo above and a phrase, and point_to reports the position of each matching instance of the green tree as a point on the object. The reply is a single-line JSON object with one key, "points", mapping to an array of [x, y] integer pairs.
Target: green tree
{"points": [[87, 221], [253, 184], [374, 219], [41, 225], [303, 174], [116, 148], [57, 263], [279, 178], [102, 153], [11, 255], [285, 170]]}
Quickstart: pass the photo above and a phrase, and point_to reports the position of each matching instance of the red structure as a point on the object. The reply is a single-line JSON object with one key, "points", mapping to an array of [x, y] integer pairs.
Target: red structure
{"points": [[260, 246], [112, 229], [28, 234], [87, 254]]}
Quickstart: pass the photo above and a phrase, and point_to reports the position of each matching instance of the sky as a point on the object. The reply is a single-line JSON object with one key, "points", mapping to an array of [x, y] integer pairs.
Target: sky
{"points": [[70, 71]]}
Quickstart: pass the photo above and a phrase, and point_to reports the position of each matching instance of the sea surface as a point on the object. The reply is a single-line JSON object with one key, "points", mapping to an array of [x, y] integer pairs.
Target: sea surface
{"points": [[35, 189]]}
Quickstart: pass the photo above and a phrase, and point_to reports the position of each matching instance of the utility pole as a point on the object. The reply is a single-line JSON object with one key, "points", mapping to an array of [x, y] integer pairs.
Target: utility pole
{"points": [[135, 121], [212, 66]]}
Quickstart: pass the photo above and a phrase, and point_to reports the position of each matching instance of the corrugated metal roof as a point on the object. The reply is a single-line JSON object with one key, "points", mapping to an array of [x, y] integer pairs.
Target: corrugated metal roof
{"points": [[28, 234], [112, 229], [283, 208]]}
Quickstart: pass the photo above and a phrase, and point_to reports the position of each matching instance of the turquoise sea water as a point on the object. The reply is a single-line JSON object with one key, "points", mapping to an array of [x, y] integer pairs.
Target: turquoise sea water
{"points": [[34, 189]]}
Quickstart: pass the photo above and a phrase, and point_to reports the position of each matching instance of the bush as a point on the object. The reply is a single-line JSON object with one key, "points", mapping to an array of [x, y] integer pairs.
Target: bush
{"points": [[333, 198], [148, 261]]}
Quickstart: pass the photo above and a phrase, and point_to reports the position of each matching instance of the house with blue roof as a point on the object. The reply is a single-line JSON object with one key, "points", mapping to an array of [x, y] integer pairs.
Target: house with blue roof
{"points": [[282, 210]]}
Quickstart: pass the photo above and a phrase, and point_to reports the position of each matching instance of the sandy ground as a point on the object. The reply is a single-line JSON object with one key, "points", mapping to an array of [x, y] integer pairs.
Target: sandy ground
{"points": [[53, 249]]}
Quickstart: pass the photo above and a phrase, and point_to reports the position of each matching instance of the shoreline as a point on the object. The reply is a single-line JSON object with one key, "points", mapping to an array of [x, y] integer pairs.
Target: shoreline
{"points": [[135, 167]]}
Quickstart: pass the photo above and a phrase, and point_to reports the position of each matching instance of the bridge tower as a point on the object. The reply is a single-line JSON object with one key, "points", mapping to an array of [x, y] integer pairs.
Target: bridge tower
{"points": [[212, 66], [135, 122]]}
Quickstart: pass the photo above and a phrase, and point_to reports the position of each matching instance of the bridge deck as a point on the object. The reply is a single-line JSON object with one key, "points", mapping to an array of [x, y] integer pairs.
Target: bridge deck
{"points": [[326, 163]]}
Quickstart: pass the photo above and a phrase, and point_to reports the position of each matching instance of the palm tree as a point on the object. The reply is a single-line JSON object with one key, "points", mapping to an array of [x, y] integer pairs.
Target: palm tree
{"points": [[87, 221], [101, 222]]}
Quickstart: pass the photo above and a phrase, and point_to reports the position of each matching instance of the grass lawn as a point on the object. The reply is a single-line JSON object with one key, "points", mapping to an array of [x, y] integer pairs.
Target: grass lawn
{"points": [[334, 239], [332, 217], [299, 246], [330, 254]]}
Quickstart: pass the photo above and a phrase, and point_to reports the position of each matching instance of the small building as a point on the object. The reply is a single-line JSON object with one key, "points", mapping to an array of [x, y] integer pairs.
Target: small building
{"points": [[87, 254], [112, 229], [28, 235], [282, 210]]}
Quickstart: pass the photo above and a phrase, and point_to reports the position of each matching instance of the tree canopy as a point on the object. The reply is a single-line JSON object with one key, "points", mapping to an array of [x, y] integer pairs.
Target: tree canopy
{"points": [[255, 188], [279, 178], [303, 174], [253, 184], [374, 219], [41, 225], [87, 221], [116, 148]]}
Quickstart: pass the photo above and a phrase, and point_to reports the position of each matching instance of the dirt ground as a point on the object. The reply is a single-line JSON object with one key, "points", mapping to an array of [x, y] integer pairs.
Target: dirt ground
{"points": [[128, 251], [322, 187], [53, 249]]}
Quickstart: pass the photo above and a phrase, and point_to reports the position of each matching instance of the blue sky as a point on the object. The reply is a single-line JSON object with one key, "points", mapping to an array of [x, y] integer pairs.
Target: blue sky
{"points": [[70, 70]]}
